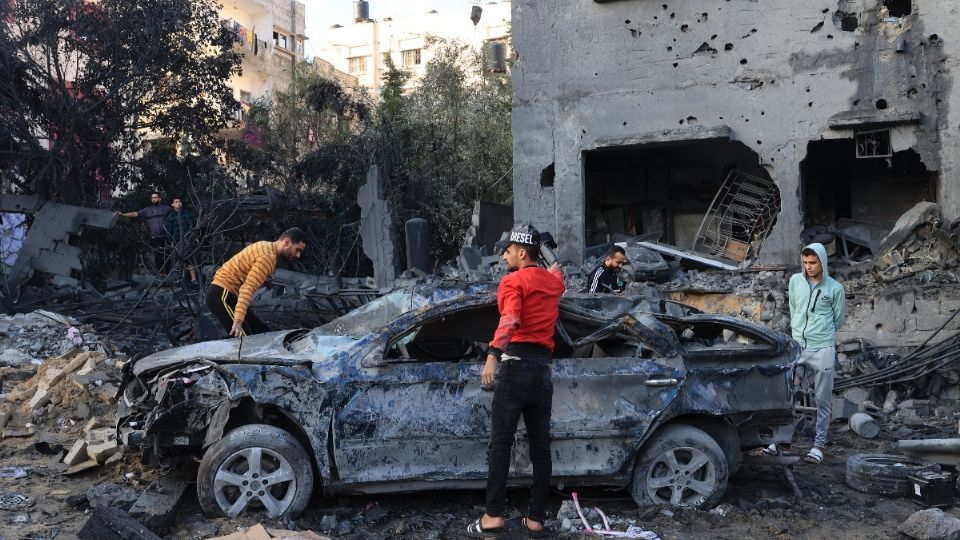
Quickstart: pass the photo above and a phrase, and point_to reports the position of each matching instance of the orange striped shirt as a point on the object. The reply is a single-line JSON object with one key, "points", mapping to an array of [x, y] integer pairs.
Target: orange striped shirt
{"points": [[245, 272]]}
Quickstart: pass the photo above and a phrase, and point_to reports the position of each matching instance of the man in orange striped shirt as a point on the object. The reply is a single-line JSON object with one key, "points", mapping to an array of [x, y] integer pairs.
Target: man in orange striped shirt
{"points": [[236, 281]]}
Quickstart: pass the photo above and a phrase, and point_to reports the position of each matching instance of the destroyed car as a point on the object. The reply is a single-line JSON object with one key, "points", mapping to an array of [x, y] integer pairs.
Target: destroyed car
{"points": [[650, 395]]}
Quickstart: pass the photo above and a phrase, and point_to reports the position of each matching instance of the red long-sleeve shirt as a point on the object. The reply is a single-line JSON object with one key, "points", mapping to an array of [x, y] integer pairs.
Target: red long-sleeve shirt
{"points": [[529, 302]]}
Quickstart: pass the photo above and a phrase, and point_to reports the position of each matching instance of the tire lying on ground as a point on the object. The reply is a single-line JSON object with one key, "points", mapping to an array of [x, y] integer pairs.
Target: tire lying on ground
{"points": [[883, 474], [255, 467], [680, 466]]}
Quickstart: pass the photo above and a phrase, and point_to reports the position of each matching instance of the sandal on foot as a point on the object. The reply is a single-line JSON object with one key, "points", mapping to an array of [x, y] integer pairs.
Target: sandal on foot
{"points": [[541, 533], [476, 530], [814, 456]]}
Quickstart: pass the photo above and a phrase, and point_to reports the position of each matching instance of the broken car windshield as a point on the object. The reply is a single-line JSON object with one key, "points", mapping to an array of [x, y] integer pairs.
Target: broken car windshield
{"points": [[365, 319]]}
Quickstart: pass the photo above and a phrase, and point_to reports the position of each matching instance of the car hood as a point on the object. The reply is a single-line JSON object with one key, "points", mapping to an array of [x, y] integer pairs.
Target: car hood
{"points": [[270, 348]]}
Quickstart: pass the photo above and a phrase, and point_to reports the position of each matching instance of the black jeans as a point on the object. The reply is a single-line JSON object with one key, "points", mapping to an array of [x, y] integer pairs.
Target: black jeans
{"points": [[158, 244], [522, 387], [222, 304]]}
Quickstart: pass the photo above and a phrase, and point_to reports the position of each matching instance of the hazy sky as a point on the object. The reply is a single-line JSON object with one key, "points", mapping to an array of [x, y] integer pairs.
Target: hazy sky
{"points": [[321, 14]]}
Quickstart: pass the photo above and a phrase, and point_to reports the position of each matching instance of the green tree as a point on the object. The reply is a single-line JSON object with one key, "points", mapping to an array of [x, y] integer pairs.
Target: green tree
{"points": [[446, 142], [91, 77]]}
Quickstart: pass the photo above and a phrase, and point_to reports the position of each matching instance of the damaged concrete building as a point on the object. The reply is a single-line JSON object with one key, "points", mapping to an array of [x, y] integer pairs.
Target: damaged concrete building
{"points": [[633, 117]]}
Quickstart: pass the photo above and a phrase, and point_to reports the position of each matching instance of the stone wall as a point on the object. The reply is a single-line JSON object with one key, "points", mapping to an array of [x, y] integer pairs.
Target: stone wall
{"points": [[773, 75]]}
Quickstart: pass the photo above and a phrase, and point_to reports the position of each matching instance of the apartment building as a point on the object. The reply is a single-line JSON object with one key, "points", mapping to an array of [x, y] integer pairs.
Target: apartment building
{"points": [[359, 46], [634, 118], [272, 35]]}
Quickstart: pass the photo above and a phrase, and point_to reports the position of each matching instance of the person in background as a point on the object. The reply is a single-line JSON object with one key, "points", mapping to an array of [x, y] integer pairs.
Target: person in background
{"points": [[605, 277], [179, 227], [154, 215]]}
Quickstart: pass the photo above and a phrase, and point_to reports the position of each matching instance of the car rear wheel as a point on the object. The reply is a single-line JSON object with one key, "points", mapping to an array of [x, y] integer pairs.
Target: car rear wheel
{"points": [[255, 467], [680, 466]]}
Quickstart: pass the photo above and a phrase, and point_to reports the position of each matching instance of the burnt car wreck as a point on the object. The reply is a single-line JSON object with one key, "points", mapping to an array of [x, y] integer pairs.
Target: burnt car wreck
{"points": [[650, 395]]}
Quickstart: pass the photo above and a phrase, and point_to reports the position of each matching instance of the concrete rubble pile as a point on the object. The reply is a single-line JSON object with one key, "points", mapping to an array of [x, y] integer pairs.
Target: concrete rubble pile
{"points": [[66, 384]]}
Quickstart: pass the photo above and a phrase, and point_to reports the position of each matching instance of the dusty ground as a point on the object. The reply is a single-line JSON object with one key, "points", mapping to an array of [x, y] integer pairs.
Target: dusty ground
{"points": [[759, 503]]}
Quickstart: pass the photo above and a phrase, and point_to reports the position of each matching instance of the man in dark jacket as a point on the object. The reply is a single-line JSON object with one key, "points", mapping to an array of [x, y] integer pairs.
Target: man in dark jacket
{"points": [[605, 277], [179, 226], [154, 216]]}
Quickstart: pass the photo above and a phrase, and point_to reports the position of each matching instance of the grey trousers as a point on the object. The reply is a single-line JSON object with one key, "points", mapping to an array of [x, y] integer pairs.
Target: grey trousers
{"points": [[822, 362]]}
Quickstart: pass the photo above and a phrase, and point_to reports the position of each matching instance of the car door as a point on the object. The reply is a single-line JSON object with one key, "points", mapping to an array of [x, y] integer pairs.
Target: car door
{"points": [[417, 419], [603, 403]]}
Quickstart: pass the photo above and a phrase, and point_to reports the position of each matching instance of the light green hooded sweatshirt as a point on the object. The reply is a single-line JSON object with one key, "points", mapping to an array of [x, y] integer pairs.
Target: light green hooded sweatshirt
{"points": [[816, 313]]}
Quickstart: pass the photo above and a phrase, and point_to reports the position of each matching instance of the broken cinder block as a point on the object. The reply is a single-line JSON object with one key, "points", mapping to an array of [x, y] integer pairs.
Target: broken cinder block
{"points": [[921, 407], [77, 453], [82, 466], [39, 399], [99, 452], [156, 508], [108, 523]]}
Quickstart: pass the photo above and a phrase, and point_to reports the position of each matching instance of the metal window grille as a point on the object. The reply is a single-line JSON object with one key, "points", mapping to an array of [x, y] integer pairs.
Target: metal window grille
{"points": [[874, 144], [740, 217]]}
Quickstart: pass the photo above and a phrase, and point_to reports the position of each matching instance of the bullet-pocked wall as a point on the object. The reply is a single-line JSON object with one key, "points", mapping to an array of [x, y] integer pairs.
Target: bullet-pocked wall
{"points": [[776, 79]]}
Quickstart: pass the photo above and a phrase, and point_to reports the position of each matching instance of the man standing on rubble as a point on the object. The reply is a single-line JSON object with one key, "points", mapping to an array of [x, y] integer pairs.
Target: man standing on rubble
{"points": [[179, 226], [236, 281], [154, 215], [605, 277], [818, 307], [519, 371]]}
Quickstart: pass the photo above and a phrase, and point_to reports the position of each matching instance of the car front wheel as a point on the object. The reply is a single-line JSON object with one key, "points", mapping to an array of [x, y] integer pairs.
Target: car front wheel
{"points": [[255, 467], [680, 466]]}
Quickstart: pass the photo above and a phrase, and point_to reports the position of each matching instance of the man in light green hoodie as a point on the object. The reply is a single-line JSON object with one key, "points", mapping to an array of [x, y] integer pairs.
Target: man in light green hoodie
{"points": [[818, 307]]}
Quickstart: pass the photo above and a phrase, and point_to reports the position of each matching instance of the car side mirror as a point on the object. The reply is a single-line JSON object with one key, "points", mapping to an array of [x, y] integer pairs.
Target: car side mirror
{"points": [[374, 360]]}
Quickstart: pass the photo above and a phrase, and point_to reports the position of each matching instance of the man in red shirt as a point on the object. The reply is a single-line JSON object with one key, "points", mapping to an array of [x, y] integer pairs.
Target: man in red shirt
{"points": [[518, 368]]}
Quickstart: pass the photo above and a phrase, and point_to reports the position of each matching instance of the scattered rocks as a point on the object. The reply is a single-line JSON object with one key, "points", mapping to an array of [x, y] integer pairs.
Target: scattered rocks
{"points": [[931, 524], [109, 494]]}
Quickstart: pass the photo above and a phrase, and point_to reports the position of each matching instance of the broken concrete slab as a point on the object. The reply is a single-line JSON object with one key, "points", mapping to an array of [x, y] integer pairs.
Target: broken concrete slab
{"points": [[77, 453], [108, 523], [40, 399], [99, 452], [100, 435], [931, 524], [259, 532], [14, 358], [46, 247], [377, 228], [857, 394], [922, 213], [81, 467], [158, 505], [922, 407], [112, 495], [18, 432]]}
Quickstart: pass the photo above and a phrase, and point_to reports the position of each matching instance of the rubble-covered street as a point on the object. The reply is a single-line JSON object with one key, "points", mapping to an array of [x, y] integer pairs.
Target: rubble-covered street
{"points": [[690, 269], [60, 458]]}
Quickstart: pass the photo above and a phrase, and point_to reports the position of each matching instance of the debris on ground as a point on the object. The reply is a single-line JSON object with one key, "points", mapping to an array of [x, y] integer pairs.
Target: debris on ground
{"points": [[259, 532], [931, 524]]}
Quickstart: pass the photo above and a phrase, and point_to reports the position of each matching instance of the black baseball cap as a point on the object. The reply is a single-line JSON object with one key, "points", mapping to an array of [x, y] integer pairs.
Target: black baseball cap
{"points": [[521, 234]]}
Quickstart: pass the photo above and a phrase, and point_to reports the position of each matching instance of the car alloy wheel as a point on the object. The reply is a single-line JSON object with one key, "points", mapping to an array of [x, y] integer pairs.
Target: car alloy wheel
{"points": [[255, 467], [255, 476], [680, 466]]}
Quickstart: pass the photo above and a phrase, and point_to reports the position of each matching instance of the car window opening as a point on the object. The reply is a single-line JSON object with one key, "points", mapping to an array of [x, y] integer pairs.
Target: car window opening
{"points": [[707, 337]]}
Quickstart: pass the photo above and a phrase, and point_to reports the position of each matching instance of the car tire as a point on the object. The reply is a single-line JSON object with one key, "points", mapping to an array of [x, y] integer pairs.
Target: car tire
{"points": [[255, 467], [680, 466], [882, 474]]}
